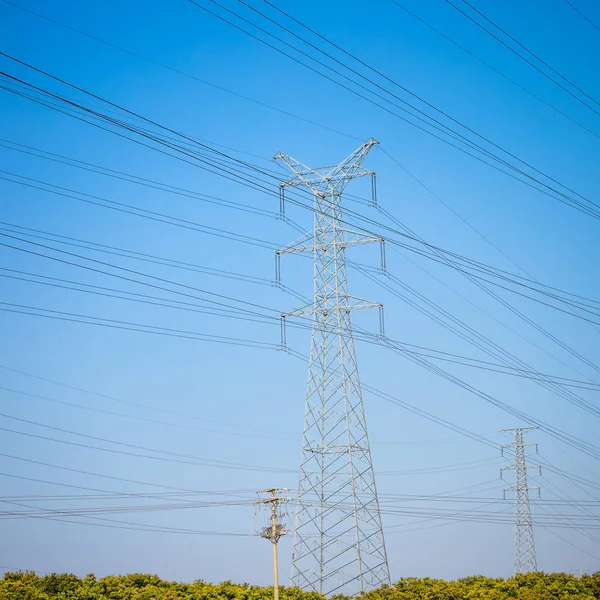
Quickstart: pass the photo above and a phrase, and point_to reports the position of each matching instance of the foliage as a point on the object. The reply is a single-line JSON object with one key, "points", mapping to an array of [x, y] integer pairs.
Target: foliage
{"points": [[138, 586]]}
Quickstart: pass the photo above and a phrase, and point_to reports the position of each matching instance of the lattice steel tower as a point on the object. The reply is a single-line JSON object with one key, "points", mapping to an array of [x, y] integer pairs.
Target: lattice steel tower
{"points": [[338, 544], [525, 559]]}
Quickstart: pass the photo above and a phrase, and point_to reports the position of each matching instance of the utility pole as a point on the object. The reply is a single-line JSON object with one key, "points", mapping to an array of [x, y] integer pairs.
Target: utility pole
{"points": [[274, 529], [525, 559], [338, 536]]}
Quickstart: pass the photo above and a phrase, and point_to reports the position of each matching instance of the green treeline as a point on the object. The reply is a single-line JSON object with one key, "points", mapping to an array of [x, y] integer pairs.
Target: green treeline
{"points": [[536, 586]]}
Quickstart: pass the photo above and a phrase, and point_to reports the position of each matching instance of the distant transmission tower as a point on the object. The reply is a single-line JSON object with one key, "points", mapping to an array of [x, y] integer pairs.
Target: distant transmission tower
{"points": [[525, 560], [338, 544]]}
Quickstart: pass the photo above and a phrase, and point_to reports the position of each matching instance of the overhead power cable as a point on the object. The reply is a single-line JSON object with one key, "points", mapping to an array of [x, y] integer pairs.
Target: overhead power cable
{"points": [[492, 68], [124, 525], [590, 208], [527, 60], [433, 253], [131, 254], [175, 70], [103, 493], [529, 278], [132, 326], [168, 455], [120, 415], [153, 300], [365, 336], [143, 508], [128, 402], [582, 15], [478, 282], [130, 178], [476, 339], [132, 210], [234, 306], [558, 434], [370, 221]]}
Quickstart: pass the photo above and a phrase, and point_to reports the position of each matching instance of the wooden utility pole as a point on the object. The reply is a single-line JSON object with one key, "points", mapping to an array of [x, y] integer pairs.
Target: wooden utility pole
{"points": [[274, 529]]}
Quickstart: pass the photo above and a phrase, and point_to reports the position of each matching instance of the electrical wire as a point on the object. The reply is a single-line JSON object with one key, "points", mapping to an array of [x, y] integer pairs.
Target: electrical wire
{"points": [[177, 71], [581, 14], [161, 422], [128, 402], [524, 58], [492, 68], [571, 200], [470, 262]]}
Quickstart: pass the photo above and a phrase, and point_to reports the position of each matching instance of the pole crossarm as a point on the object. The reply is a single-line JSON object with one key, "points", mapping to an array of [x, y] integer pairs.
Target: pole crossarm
{"points": [[275, 528], [339, 545]]}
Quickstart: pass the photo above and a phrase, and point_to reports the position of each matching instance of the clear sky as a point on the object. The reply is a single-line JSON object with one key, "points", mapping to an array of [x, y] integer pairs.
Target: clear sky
{"points": [[244, 405]]}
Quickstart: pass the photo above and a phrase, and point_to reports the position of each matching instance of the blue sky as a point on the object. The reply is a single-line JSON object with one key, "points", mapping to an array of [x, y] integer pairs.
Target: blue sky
{"points": [[248, 403]]}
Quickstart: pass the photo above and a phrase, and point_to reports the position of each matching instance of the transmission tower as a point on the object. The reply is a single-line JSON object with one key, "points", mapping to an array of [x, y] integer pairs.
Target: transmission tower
{"points": [[338, 543], [525, 560]]}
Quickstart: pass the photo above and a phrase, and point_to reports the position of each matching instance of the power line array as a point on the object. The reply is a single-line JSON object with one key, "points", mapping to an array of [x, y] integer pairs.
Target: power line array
{"points": [[339, 545]]}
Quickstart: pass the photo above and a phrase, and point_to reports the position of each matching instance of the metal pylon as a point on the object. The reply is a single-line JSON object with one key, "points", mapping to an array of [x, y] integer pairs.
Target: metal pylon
{"points": [[525, 559], [338, 544]]}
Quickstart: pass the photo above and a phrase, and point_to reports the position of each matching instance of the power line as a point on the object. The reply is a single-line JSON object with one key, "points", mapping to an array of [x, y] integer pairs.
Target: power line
{"points": [[130, 178], [177, 71], [126, 525], [581, 14], [530, 278], [476, 339], [77, 255], [160, 409], [134, 210], [365, 337], [262, 243], [574, 202], [370, 221], [108, 494], [524, 58], [161, 422], [94, 474], [195, 462], [580, 446], [132, 326], [152, 277], [492, 68]]}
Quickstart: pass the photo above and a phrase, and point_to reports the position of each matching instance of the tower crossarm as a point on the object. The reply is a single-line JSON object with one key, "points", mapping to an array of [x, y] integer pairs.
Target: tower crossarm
{"points": [[327, 178], [303, 175], [349, 304], [306, 244], [513, 467], [351, 167], [355, 238]]}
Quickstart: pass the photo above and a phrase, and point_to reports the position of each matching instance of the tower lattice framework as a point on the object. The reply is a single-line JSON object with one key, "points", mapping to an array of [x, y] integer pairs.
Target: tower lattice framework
{"points": [[339, 544], [524, 553]]}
